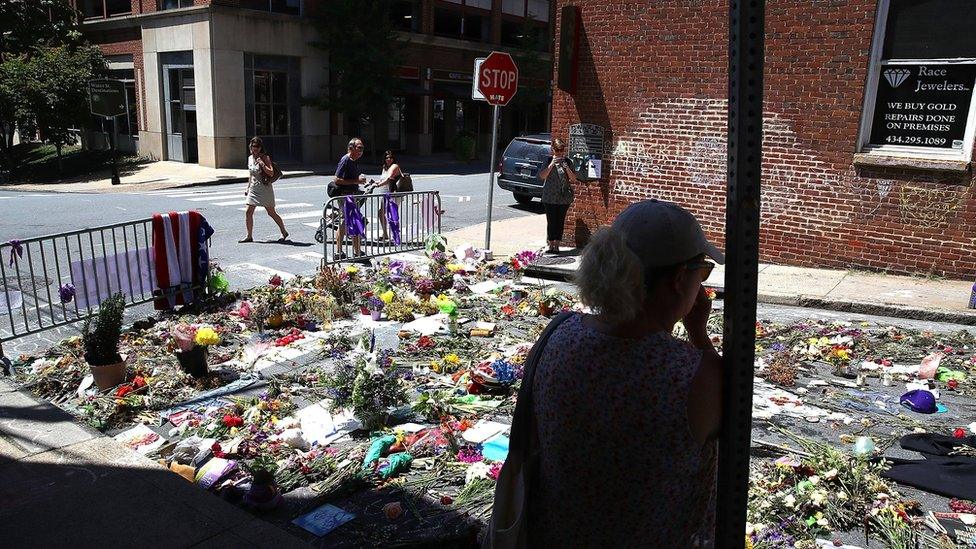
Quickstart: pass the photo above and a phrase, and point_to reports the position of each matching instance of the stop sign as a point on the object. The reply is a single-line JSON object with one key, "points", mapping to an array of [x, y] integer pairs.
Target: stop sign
{"points": [[498, 78]]}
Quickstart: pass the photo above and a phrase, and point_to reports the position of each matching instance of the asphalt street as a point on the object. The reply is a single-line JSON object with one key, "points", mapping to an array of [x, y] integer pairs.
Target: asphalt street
{"points": [[299, 201]]}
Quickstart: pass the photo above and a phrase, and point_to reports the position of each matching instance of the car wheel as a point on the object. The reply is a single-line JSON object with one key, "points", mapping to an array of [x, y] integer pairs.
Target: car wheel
{"points": [[522, 198]]}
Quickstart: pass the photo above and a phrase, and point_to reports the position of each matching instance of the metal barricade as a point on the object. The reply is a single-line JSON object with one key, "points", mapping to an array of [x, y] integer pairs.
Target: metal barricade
{"points": [[55, 280], [419, 215]]}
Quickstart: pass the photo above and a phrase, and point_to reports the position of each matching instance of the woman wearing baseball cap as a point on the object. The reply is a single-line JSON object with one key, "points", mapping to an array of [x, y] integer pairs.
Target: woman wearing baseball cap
{"points": [[625, 415]]}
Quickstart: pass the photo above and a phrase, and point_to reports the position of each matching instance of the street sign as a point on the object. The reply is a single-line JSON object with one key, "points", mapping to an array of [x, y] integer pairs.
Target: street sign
{"points": [[107, 97], [498, 78], [475, 92]]}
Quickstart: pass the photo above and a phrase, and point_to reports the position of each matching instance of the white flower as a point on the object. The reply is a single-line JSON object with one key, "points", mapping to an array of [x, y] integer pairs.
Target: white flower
{"points": [[814, 480], [842, 496], [831, 474], [789, 501], [818, 497], [822, 521], [477, 470]]}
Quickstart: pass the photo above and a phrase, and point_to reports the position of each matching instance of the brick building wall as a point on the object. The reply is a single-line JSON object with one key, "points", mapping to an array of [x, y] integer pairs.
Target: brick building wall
{"points": [[655, 76]]}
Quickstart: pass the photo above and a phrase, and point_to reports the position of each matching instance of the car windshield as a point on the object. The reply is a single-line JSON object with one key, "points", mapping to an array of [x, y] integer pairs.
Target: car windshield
{"points": [[537, 151]]}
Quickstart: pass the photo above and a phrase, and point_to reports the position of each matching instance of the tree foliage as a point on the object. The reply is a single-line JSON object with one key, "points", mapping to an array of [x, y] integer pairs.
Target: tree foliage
{"points": [[364, 53], [45, 67]]}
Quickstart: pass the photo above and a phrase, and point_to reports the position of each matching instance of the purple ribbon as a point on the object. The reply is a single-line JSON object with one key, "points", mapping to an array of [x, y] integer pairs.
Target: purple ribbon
{"points": [[67, 292], [355, 223], [392, 217], [16, 250]]}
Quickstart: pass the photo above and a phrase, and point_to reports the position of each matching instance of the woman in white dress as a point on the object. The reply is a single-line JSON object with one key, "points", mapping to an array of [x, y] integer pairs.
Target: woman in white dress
{"points": [[259, 191], [389, 178]]}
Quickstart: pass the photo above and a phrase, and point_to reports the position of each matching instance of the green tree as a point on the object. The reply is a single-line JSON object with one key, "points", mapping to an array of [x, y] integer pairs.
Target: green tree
{"points": [[364, 53], [42, 60]]}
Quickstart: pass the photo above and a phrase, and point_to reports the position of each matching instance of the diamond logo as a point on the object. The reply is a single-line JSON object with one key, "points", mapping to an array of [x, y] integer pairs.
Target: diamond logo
{"points": [[895, 77]]}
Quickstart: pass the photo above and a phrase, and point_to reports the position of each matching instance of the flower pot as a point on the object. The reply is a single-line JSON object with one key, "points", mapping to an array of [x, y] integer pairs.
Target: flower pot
{"points": [[194, 361], [376, 315], [276, 320], [108, 375], [545, 309], [364, 310]]}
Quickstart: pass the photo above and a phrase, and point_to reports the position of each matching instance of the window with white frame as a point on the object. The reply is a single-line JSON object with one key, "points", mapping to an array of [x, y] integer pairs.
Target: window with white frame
{"points": [[919, 100]]}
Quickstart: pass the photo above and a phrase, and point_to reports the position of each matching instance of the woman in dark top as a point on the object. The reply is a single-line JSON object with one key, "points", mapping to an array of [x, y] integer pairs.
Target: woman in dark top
{"points": [[557, 193]]}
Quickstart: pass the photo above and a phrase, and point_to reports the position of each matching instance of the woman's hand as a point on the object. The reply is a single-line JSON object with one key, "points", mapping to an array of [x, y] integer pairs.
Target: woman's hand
{"points": [[697, 318]]}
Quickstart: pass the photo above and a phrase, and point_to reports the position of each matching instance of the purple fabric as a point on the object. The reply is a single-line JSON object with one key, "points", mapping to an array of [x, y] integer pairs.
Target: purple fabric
{"points": [[392, 218], [355, 224]]}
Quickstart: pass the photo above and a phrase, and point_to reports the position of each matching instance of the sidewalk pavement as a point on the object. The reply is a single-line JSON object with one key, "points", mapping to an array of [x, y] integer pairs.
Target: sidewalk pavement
{"points": [[166, 174], [842, 290], [50, 464]]}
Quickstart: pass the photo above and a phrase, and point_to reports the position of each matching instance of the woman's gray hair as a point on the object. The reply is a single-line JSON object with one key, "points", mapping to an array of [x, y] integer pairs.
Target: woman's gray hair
{"points": [[611, 277]]}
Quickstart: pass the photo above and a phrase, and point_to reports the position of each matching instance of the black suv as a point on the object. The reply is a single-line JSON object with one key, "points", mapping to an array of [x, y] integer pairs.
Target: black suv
{"points": [[521, 162]]}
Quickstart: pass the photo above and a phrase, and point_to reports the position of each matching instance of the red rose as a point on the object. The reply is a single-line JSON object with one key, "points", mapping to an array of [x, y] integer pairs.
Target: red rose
{"points": [[233, 421], [123, 390], [217, 450], [275, 281], [959, 433], [952, 383], [446, 500], [139, 381]]}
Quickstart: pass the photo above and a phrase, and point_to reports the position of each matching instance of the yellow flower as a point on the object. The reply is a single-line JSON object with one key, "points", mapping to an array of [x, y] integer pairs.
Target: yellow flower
{"points": [[206, 336], [435, 366], [452, 359], [454, 267], [387, 296], [352, 269]]}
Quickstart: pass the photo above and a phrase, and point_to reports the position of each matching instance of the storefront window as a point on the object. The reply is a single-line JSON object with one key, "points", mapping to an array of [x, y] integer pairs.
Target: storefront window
{"points": [[919, 97]]}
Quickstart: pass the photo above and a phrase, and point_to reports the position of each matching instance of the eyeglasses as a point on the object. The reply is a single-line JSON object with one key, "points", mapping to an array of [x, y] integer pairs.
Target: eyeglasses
{"points": [[705, 266]]}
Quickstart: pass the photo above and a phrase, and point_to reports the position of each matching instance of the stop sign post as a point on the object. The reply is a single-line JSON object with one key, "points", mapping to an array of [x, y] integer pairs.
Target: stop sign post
{"points": [[498, 81]]}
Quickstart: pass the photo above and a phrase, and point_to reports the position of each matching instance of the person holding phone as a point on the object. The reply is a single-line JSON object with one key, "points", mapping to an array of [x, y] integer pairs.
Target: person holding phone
{"points": [[557, 193]]}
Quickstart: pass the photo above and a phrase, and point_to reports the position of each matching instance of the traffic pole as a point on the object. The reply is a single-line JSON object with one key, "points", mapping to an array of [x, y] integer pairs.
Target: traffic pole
{"points": [[491, 176], [111, 141]]}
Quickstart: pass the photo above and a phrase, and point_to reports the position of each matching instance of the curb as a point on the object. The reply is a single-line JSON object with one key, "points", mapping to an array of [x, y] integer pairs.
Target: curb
{"points": [[857, 307]]}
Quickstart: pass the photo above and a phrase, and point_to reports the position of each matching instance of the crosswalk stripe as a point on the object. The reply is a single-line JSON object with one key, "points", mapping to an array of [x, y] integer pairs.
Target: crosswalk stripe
{"points": [[237, 202], [260, 268], [307, 256], [221, 196], [300, 215], [312, 225], [277, 206]]}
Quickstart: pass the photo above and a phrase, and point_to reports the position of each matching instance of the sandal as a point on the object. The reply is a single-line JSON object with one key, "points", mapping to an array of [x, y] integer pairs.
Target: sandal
{"points": [[284, 238], [245, 240]]}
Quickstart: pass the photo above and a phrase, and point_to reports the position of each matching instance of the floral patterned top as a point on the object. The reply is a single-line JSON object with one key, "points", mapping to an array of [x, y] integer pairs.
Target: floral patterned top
{"points": [[619, 466]]}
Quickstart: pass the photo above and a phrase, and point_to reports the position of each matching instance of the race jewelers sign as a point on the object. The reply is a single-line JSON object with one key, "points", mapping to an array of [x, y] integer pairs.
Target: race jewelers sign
{"points": [[923, 105]]}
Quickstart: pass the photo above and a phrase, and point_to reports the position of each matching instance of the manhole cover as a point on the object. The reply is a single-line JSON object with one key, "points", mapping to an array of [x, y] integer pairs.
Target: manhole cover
{"points": [[554, 261]]}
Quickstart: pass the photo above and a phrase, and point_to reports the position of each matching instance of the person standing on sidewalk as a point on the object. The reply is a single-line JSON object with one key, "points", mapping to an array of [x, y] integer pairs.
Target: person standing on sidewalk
{"points": [[620, 416], [348, 177], [557, 193], [259, 191], [389, 178]]}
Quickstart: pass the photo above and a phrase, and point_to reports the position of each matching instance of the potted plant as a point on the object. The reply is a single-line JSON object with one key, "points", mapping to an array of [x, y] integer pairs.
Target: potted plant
{"points": [[275, 300], [550, 302], [376, 306], [264, 493], [190, 344], [100, 337]]}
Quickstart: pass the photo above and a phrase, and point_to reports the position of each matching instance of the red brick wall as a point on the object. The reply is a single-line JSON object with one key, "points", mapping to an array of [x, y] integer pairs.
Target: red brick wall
{"points": [[655, 76]]}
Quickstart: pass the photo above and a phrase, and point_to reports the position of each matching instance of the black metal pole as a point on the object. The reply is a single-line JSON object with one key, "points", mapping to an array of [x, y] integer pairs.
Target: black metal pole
{"points": [[746, 49], [115, 164]]}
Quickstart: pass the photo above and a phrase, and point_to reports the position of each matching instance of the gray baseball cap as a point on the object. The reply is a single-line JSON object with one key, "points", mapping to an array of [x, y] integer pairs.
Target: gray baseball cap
{"points": [[663, 233]]}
